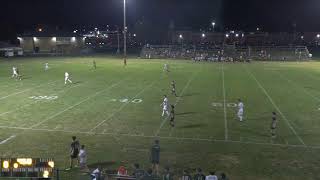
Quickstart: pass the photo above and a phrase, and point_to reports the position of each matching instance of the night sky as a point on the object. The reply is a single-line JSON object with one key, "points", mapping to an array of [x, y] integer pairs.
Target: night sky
{"points": [[270, 15]]}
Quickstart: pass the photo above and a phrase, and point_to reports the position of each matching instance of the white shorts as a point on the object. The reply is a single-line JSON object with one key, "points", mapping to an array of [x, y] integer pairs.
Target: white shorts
{"points": [[240, 112]]}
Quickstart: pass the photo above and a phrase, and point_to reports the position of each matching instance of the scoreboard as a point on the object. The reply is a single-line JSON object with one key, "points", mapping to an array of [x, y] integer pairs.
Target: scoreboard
{"points": [[27, 167]]}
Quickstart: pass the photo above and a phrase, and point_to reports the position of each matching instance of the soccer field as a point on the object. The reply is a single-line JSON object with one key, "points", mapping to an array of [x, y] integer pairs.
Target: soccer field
{"points": [[115, 111]]}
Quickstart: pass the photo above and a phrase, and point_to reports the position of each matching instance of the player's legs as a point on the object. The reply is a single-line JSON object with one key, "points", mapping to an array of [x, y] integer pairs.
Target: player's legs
{"points": [[69, 80], [163, 110], [167, 112], [240, 115]]}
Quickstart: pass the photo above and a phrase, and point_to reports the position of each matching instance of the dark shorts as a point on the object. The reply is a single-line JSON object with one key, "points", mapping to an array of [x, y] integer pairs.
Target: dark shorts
{"points": [[74, 155]]}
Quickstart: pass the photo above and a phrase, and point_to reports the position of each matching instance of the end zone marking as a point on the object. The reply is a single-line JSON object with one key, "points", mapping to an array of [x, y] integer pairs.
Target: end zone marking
{"points": [[276, 107], [9, 138]]}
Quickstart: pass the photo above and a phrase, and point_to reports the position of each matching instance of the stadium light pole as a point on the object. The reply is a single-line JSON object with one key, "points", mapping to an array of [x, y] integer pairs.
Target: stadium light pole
{"points": [[124, 34]]}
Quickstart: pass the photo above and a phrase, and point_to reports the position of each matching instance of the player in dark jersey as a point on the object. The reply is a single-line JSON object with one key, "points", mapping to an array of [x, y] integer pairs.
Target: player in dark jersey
{"points": [[18, 74], [74, 150], [172, 116], [273, 124], [94, 64], [173, 88]]}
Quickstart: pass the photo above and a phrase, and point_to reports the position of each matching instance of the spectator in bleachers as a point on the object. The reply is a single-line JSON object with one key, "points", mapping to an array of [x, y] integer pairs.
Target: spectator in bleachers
{"points": [[96, 174], [223, 177], [137, 172], [186, 175], [212, 176], [199, 175], [167, 174], [148, 175], [122, 171]]}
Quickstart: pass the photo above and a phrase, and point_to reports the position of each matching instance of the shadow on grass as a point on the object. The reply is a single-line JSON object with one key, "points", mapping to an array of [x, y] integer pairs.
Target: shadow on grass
{"points": [[190, 94], [189, 126], [102, 164], [185, 113]]}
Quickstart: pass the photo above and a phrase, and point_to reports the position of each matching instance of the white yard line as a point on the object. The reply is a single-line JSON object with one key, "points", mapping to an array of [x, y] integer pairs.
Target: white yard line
{"points": [[163, 137], [224, 106], [276, 107], [77, 104], [122, 106], [8, 139], [177, 101], [26, 90], [29, 104]]}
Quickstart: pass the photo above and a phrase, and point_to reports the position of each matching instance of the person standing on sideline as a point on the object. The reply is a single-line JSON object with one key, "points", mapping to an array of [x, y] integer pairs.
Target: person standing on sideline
{"points": [[173, 88], [199, 175], [155, 157], [74, 151], [212, 176]]}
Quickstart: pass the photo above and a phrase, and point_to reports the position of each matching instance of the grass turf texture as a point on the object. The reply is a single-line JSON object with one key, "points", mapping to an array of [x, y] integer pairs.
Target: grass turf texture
{"points": [[205, 136]]}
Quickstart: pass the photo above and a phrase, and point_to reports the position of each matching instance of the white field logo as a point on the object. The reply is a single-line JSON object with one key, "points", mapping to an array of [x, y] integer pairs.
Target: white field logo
{"points": [[125, 100], [229, 105], [44, 97]]}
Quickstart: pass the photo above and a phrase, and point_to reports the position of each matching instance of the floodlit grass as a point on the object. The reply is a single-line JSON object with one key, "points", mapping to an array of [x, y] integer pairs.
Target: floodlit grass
{"points": [[205, 136]]}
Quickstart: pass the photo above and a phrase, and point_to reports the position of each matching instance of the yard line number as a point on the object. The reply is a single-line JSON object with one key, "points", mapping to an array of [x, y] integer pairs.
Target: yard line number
{"points": [[229, 105], [125, 100]]}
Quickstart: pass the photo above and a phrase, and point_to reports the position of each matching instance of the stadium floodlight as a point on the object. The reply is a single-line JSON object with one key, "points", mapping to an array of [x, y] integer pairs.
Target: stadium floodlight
{"points": [[302, 37], [227, 35], [203, 35], [40, 29], [318, 35], [237, 35], [124, 34], [180, 36], [258, 29], [134, 35], [54, 39], [213, 24], [35, 39], [242, 35]]}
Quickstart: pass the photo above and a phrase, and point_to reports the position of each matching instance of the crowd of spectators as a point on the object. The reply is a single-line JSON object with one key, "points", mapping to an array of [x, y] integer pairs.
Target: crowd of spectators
{"points": [[215, 53], [79, 154]]}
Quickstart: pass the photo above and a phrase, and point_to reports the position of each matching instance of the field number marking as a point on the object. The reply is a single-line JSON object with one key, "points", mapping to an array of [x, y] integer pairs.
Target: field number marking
{"points": [[125, 100], [44, 97], [229, 105]]}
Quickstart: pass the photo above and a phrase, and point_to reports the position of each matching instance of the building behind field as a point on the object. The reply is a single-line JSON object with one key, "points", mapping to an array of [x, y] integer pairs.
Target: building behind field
{"points": [[54, 44]]}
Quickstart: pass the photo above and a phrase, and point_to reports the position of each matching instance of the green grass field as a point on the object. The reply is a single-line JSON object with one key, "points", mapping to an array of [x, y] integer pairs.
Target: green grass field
{"points": [[116, 113]]}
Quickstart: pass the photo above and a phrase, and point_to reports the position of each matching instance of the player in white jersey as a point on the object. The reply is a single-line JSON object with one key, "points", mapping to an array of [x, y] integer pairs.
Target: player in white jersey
{"points": [[66, 78], [166, 68], [46, 66], [240, 110], [165, 106], [14, 72]]}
